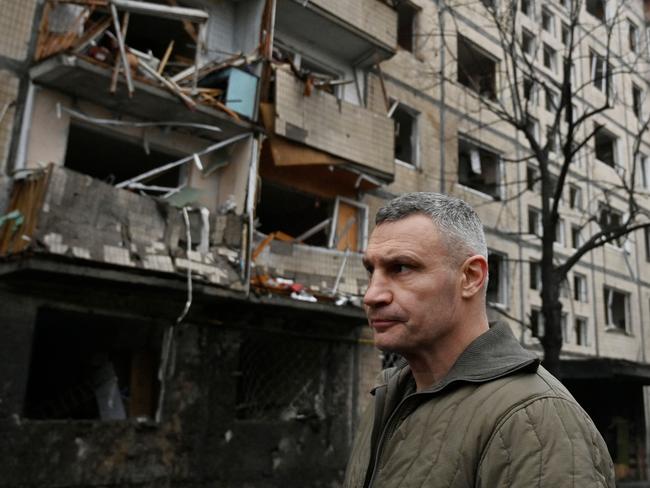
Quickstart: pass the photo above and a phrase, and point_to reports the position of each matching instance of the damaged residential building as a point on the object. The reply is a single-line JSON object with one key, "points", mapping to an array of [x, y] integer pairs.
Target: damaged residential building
{"points": [[186, 190], [181, 226]]}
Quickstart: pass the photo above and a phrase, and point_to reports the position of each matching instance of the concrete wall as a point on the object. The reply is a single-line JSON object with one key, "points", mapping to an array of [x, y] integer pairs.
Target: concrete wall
{"points": [[202, 440], [370, 16]]}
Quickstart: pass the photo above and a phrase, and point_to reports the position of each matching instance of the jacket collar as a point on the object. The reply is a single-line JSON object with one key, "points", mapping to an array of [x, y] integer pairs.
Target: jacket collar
{"points": [[493, 354]]}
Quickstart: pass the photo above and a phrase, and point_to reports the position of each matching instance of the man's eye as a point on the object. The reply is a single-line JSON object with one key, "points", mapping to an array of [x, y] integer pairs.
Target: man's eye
{"points": [[401, 268]]}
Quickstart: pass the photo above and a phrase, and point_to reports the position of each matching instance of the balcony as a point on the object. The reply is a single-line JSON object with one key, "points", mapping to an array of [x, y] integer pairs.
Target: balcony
{"points": [[66, 215], [362, 32], [364, 139], [81, 78]]}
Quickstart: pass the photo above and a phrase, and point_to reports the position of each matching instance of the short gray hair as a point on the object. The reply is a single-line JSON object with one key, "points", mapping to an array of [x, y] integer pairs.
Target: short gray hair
{"points": [[459, 224]]}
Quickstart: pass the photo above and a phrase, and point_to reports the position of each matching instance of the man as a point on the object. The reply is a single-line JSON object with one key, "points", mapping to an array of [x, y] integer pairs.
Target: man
{"points": [[469, 407]]}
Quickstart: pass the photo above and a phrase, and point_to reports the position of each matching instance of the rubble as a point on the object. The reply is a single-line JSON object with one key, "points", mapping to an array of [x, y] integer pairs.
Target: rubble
{"points": [[92, 30]]}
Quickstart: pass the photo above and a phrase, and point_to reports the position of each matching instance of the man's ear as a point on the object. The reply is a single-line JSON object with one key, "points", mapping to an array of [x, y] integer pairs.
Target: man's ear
{"points": [[474, 274]]}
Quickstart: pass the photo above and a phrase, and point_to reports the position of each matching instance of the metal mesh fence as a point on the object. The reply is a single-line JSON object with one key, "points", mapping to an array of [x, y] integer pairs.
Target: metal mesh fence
{"points": [[283, 377]]}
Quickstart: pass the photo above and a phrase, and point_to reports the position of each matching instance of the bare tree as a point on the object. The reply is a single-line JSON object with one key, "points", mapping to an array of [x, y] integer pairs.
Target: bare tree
{"points": [[554, 153]]}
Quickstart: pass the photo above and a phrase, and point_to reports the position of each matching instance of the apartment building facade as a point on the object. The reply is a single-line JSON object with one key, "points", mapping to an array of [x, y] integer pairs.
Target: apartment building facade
{"points": [[187, 189], [452, 81]]}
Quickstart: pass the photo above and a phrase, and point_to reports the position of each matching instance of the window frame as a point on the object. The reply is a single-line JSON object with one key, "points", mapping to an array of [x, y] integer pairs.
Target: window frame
{"points": [[608, 297], [503, 294], [580, 288], [475, 148]]}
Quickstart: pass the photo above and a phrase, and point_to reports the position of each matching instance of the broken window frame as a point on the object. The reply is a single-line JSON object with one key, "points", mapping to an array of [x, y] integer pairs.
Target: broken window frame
{"points": [[613, 320], [318, 67], [122, 359], [485, 85], [609, 217], [528, 42], [414, 137], [598, 9], [602, 132], [495, 163], [601, 73], [407, 14], [362, 224]]}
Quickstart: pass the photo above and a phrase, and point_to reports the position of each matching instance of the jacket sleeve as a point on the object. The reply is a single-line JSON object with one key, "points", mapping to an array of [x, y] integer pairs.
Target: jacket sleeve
{"points": [[548, 442]]}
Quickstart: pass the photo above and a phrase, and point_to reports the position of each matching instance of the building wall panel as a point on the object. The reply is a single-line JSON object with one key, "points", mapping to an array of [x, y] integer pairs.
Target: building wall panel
{"points": [[370, 16], [339, 128]]}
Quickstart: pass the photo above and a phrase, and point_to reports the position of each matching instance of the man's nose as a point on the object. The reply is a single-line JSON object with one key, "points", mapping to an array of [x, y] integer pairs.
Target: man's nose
{"points": [[378, 292]]}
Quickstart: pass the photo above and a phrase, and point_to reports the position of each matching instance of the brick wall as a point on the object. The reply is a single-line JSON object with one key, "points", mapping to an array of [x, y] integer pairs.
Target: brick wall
{"points": [[339, 128], [8, 94], [16, 27]]}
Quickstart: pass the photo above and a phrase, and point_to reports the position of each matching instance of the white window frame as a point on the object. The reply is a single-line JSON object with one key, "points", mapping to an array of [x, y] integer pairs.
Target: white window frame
{"points": [[552, 57], [605, 83], [362, 227], [576, 243], [583, 331], [538, 281], [575, 198], [560, 236], [531, 13], [538, 226], [608, 298], [415, 133], [532, 45], [615, 149], [540, 323], [633, 36], [547, 14], [580, 290]]}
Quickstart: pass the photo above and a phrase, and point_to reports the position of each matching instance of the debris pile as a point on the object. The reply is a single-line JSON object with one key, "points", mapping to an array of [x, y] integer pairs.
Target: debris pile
{"points": [[152, 43]]}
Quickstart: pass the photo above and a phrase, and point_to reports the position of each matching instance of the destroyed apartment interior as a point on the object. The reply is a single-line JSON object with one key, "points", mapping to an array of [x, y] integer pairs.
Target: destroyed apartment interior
{"points": [[180, 243], [187, 188]]}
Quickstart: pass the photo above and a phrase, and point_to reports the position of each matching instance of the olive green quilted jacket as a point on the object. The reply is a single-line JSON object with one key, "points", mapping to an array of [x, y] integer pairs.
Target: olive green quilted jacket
{"points": [[498, 419]]}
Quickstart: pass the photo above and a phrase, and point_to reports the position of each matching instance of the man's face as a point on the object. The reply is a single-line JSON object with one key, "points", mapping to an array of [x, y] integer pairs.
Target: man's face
{"points": [[413, 296]]}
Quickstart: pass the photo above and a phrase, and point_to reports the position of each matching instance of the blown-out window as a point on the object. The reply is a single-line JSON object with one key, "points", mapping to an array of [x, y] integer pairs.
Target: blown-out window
{"points": [[478, 168]]}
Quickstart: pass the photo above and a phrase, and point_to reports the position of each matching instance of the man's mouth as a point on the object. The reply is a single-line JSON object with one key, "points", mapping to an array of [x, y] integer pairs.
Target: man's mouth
{"points": [[383, 323]]}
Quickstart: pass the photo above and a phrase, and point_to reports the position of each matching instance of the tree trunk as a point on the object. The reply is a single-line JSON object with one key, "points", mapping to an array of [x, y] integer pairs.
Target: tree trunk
{"points": [[552, 339]]}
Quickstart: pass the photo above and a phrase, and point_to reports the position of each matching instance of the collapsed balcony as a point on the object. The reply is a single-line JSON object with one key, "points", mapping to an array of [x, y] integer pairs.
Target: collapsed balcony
{"points": [[61, 213], [152, 60]]}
